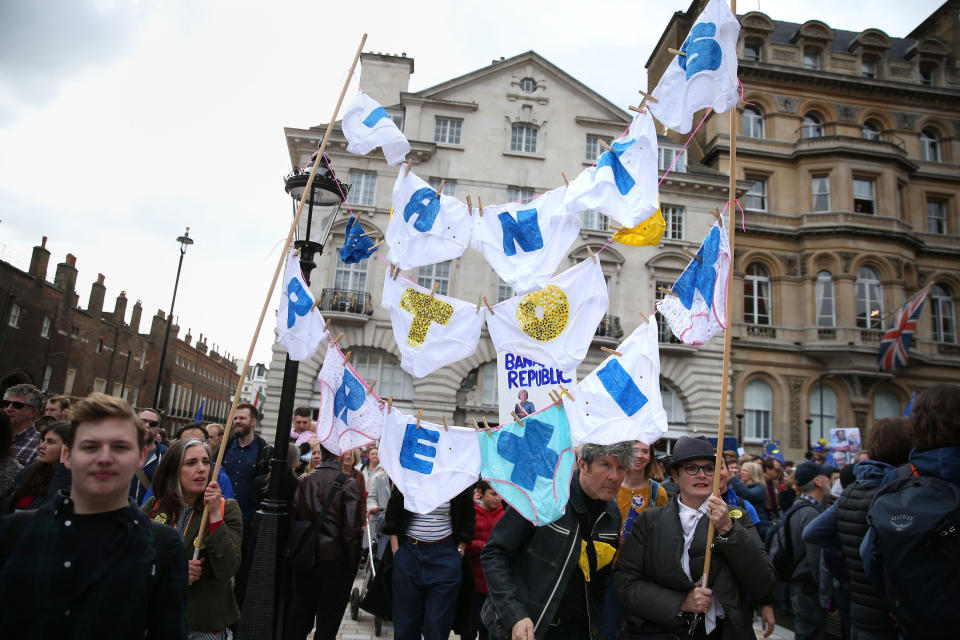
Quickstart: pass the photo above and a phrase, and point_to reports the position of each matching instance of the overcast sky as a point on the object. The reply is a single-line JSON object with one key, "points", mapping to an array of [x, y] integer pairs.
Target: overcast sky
{"points": [[124, 121]]}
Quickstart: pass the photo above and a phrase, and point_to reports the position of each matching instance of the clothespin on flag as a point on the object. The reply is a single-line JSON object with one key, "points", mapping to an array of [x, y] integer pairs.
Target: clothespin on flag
{"points": [[419, 415], [489, 308], [443, 181], [616, 353], [444, 418]]}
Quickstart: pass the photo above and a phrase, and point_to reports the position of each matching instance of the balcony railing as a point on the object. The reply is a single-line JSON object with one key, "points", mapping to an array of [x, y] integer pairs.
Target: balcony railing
{"points": [[761, 331], [826, 334], [609, 327], [871, 336], [346, 301], [947, 349]]}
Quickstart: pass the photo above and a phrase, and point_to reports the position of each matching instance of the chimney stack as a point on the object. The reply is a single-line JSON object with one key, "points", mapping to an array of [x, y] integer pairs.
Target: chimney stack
{"points": [[188, 338], [97, 292], [40, 260], [66, 278], [135, 316], [120, 308]]}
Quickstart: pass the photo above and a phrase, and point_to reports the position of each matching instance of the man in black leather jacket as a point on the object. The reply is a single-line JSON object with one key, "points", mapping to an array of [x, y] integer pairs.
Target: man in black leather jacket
{"points": [[549, 582]]}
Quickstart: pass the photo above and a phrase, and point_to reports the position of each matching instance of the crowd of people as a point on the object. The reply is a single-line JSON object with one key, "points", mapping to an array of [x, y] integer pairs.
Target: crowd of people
{"points": [[139, 539]]}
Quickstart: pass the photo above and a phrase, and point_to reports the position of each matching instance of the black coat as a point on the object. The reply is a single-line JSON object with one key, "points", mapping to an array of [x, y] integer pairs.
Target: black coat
{"points": [[463, 516], [528, 568], [868, 609], [651, 584]]}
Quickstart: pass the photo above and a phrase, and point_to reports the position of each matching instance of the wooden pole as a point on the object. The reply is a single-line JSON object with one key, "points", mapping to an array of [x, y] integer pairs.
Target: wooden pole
{"points": [[725, 375], [273, 284]]}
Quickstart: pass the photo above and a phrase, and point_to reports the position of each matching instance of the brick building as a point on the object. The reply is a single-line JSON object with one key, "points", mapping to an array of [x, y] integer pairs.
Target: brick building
{"points": [[48, 340]]}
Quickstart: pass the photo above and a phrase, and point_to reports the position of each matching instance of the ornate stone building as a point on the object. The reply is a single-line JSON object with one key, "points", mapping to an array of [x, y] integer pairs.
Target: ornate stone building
{"points": [[849, 144], [501, 133]]}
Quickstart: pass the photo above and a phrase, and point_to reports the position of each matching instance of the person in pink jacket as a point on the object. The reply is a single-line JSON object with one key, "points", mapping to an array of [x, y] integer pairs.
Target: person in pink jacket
{"points": [[489, 506]]}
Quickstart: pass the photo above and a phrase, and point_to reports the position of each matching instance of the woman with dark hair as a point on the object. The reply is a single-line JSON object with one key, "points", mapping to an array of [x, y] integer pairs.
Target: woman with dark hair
{"points": [[33, 483], [182, 486], [843, 526], [9, 466]]}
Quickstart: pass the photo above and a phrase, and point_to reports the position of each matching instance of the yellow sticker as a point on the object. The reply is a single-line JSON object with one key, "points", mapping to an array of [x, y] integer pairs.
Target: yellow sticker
{"points": [[161, 518], [736, 513]]}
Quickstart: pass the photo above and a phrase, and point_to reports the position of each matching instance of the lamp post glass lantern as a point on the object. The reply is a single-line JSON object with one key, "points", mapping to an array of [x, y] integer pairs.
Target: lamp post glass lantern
{"points": [[185, 241], [262, 613]]}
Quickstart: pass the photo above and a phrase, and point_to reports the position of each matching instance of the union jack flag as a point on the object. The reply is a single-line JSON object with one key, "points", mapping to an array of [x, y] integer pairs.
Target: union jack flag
{"points": [[895, 346]]}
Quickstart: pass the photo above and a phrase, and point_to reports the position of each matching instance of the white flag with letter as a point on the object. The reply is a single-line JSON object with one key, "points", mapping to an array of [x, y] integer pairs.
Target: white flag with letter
{"points": [[367, 125], [620, 400], [705, 72], [349, 417], [300, 326], [623, 184], [428, 463]]}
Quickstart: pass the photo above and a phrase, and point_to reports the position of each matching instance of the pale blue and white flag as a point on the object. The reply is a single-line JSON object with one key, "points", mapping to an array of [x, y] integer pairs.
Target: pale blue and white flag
{"points": [[367, 125], [300, 326]]}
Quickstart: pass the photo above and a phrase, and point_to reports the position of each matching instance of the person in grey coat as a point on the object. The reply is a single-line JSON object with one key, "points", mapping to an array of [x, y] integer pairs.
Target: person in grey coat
{"points": [[662, 561]]}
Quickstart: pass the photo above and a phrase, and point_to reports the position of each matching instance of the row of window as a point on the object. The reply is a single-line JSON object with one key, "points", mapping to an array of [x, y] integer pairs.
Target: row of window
{"points": [[754, 126], [864, 198], [363, 190], [758, 410], [869, 302], [185, 402], [813, 60], [204, 372]]}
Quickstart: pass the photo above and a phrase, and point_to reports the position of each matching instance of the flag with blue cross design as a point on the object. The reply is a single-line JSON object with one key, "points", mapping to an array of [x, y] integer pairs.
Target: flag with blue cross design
{"points": [[698, 310], [530, 464], [367, 125], [623, 184], [620, 399]]}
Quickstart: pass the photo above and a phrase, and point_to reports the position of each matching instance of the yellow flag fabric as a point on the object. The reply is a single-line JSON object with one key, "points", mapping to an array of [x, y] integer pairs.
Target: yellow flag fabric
{"points": [[605, 554], [647, 232]]}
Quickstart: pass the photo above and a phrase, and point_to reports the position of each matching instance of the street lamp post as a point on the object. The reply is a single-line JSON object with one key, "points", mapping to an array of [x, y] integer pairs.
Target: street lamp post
{"points": [[262, 613], [740, 428], [185, 242]]}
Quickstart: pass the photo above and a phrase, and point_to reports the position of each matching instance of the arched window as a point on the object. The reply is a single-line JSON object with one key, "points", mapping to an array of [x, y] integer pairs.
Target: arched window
{"points": [[930, 145], [373, 364], [528, 85], [826, 315], [823, 411], [482, 384], [944, 320], [812, 125], [756, 295], [886, 405], [757, 409], [869, 299], [672, 405], [753, 123], [872, 130], [751, 50]]}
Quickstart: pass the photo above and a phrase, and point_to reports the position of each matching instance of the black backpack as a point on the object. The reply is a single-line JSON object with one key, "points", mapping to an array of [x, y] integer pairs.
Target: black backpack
{"points": [[911, 552], [779, 542]]}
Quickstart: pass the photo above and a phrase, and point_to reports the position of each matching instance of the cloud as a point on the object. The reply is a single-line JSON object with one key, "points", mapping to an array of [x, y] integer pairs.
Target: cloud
{"points": [[42, 44]]}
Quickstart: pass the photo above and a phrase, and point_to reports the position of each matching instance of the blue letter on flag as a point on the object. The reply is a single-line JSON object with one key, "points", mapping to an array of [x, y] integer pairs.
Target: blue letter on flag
{"points": [[414, 439], [621, 387], [525, 231], [299, 307], [350, 395], [425, 205]]}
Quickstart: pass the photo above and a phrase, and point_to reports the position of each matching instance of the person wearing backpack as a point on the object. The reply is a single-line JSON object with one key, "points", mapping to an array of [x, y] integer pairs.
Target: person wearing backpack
{"points": [[844, 525], [91, 564], [326, 531], [911, 551], [798, 563]]}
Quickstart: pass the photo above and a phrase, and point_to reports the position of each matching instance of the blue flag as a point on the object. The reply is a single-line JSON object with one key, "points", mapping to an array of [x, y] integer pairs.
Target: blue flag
{"points": [[530, 464], [355, 248], [199, 416], [771, 449], [909, 409]]}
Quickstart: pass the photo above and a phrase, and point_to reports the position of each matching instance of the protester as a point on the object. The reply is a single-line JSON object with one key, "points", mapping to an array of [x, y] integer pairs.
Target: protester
{"points": [[803, 583], [657, 582], [750, 487], [371, 466], [9, 466], [489, 509], [349, 461], [22, 404], [57, 407], [428, 551], [315, 457], [34, 483], [844, 525], [193, 430], [637, 492], [551, 581], [374, 473], [302, 429], [772, 476], [91, 565], [141, 482], [331, 501], [183, 488], [788, 492], [215, 437], [246, 457], [915, 553]]}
